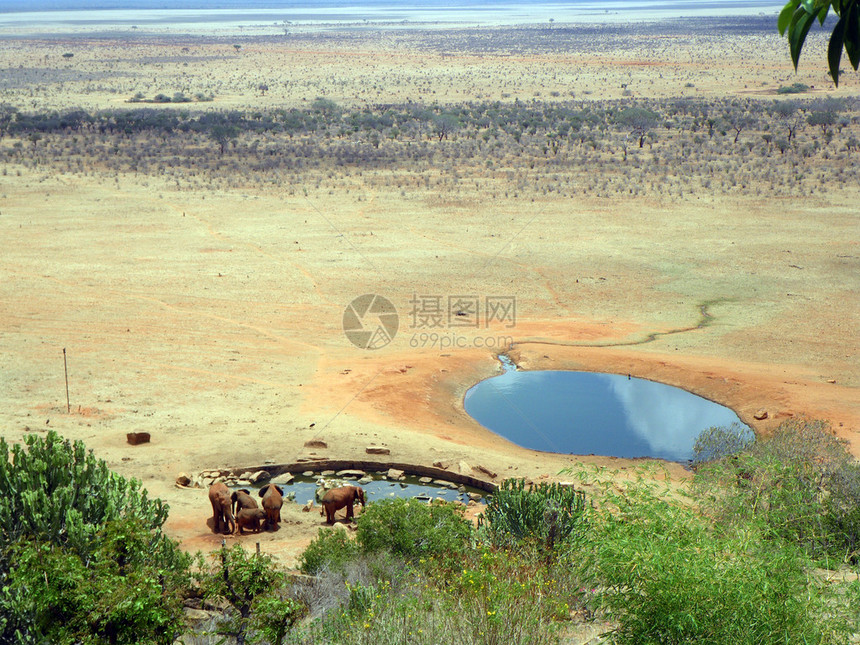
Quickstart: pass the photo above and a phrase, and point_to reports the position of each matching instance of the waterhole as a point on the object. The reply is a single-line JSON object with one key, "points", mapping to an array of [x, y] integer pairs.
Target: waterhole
{"points": [[586, 413]]}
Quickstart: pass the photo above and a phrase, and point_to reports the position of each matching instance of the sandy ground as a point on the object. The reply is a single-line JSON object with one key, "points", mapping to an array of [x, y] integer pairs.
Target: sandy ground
{"points": [[214, 321]]}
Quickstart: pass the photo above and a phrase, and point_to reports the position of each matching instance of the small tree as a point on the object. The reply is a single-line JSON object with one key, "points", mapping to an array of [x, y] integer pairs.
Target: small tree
{"points": [[256, 589], [222, 134]]}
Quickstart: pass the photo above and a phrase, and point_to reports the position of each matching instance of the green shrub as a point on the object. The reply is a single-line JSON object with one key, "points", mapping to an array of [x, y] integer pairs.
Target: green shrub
{"points": [[82, 555], [257, 589], [329, 551], [800, 484], [550, 513], [718, 442], [794, 88], [413, 529], [666, 576]]}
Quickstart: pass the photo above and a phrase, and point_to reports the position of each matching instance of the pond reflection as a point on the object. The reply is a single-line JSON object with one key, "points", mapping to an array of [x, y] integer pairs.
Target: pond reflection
{"points": [[584, 413]]}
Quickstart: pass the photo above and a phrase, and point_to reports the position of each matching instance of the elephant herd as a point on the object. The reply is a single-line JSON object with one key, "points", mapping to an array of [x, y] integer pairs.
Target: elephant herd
{"points": [[238, 509]]}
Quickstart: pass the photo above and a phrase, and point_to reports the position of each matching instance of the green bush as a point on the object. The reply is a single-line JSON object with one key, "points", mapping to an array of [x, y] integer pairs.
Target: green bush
{"points": [[718, 442], [550, 513], [82, 555], [666, 576], [800, 484], [329, 551], [257, 589], [413, 529]]}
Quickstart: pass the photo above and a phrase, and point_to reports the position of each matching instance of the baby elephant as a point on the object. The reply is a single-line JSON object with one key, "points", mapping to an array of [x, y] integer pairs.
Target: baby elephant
{"points": [[250, 518], [337, 498], [242, 499]]}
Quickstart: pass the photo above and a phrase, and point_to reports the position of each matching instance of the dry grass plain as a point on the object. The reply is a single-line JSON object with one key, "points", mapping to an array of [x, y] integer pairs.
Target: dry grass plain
{"points": [[205, 305]]}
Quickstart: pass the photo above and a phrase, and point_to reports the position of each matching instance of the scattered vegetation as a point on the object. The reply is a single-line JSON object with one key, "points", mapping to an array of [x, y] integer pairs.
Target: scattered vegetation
{"points": [[667, 149], [726, 560]]}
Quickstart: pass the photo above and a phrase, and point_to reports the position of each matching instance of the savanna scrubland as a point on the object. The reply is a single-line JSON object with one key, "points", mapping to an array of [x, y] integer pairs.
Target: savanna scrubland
{"points": [[189, 216]]}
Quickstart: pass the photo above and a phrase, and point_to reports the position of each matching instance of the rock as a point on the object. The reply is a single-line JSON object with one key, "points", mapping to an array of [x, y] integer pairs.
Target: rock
{"points": [[259, 476], [357, 474], [136, 438], [194, 617], [444, 484], [475, 497], [243, 483], [327, 473], [441, 464], [393, 473], [464, 468], [283, 478], [760, 415], [307, 507], [308, 473], [377, 450], [425, 480], [183, 479], [486, 471], [365, 480], [316, 443]]}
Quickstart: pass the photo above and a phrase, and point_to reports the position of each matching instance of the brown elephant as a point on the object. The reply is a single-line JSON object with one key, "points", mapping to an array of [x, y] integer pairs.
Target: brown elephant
{"points": [[222, 515], [250, 518], [273, 499], [242, 499], [337, 498]]}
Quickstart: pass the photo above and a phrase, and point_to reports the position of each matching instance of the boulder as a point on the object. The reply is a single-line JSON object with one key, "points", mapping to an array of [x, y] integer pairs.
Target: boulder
{"points": [[136, 438], [283, 478], [357, 474], [486, 471], [183, 479], [377, 450], [425, 480], [308, 507], [316, 443], [760, 415], [256, 477], [464, 468], [394, 473]]}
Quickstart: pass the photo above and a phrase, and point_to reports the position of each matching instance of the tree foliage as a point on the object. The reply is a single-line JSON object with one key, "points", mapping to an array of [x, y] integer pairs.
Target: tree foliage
{"points": [[797, 17], [82, 555]]}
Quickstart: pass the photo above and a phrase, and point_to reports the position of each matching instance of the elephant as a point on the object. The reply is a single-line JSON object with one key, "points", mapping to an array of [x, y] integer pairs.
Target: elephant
{"points": [[250, 518], [242, 499], [273, 499], [222, 515], [337, 498]]}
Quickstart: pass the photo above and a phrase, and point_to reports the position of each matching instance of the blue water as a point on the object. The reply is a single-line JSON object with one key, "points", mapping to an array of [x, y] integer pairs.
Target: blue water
{"points": [[304, 488], [583, 413]]}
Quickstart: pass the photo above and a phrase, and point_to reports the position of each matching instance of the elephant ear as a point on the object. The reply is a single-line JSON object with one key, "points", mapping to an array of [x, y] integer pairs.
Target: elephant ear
{"points": [[234, 496], [264, 490], [244, 490], [278, 488]]}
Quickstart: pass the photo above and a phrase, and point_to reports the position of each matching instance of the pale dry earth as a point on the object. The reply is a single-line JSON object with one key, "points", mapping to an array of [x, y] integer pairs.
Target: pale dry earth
{"points": [[213, 319]]}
